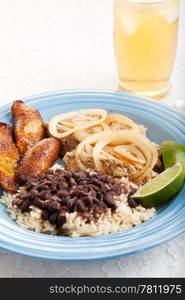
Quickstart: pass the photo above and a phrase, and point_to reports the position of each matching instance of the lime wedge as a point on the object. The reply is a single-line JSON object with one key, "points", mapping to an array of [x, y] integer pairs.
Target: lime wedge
{"points": [[162, 188], [173, 152]]}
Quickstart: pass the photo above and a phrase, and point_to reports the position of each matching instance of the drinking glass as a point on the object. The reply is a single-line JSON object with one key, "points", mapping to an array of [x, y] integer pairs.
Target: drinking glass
{"points": [[145, 40]]}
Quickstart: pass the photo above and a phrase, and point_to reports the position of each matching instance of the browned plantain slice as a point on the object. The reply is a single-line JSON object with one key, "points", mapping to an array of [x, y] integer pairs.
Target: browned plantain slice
{"points": [[38, 159], [27, 125], [8, 158]]}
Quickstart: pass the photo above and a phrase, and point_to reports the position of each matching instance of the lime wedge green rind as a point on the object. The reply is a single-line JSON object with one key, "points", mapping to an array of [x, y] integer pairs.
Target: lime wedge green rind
{"points": [[173, 152], [162, 188]]}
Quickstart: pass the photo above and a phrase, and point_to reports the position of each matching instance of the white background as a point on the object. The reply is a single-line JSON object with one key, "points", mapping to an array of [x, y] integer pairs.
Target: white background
{"points": [[48, 45]]}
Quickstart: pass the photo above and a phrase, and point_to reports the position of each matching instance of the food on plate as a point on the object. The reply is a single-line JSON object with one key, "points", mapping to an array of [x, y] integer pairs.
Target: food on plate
{"points": [[67, 123], [8, 158], [119, 153], [84, 192], [112, 122], [80, 126], [113, 177], [172, 153], [27, 125], [161, 188], [136, 153], [76, 204], [80, 145], [118, 122], [68, 143], [38, 159]]}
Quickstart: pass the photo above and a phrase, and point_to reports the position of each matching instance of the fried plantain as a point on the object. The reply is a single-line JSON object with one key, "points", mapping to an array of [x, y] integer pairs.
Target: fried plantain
{"points": [[27, 126], [38, 159], [8, 158]]}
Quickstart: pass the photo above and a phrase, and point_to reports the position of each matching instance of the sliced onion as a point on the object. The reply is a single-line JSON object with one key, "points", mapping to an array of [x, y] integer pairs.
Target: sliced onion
{"points": [[121, 121], [80, 135], [130, 154], [122, 137], [92, 139], [68, 120]]}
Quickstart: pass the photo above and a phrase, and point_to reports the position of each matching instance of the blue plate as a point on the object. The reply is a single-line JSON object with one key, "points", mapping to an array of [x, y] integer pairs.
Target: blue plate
{"points": [[163, 123]]}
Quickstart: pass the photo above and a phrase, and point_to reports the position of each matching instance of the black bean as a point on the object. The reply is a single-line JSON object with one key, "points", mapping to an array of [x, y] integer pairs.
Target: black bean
{"points": [[102, 205], [112, 192], [44, 195], [25, 205], [30, 186], [48, 182], [82, 182], [78, 175], [59, 171], [72, 181], [45, 214], [132, 202], [97, 182], [53, 218], [81, 194], [62, 184], [61, 219], [40, 204], [96, 201], [49, 178], [62, 193], [71, 203], [55, 198], [53, 187], [99, 195], [42, 186], [17, 202], [109, 200], [54, 206], [24, 197], [80, 206], [117, 188], [64, 200], [34, 192], [92, 193], [46, 187], [67, 174], [80, 187], [73, 192], [132, 191], [95, 187], [106, 179], [88, 201], [64, 209]]}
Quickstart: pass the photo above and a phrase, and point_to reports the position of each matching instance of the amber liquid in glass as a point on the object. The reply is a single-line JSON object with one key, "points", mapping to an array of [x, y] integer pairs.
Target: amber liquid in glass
{"points": [[145, 36]]}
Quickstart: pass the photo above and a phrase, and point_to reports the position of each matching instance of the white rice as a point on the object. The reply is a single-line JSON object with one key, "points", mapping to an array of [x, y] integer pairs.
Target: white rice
{"points": [[124, 217]]}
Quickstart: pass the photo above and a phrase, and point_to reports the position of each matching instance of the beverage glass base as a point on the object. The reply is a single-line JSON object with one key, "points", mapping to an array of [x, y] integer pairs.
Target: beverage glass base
{"points": [[156, 94]]}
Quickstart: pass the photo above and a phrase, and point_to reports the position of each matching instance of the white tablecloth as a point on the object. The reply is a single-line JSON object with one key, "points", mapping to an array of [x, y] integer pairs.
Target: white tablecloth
{"points": [[48, 45]]}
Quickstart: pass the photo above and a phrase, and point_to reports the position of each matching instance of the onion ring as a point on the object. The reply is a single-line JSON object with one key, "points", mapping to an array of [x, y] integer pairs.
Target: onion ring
{"points": [[68, 120]]}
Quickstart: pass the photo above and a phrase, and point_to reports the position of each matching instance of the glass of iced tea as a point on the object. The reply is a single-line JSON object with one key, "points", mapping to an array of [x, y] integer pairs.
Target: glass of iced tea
{"points": [[145, 38]]}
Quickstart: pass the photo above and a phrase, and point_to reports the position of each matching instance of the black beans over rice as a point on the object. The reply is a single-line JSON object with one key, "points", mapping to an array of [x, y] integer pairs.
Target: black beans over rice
{"points": [[60, 191]]}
